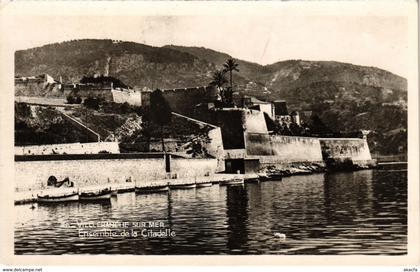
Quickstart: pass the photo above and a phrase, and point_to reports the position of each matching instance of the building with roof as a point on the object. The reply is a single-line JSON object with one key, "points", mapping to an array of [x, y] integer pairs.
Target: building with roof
{"points": [[256, 104]]}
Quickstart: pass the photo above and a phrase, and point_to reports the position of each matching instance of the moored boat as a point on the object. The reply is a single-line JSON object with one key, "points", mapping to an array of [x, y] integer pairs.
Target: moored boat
{"points": [[276, 176], [126, 190], [204, 184], [152, 189], [104, 194], [183, 186], [252, 179], [235, 181], [59, 196], [263, 176]]}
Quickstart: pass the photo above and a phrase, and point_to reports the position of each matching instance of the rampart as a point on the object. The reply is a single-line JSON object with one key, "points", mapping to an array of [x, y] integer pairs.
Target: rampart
{"points": [[190, 167], [339, 150], [235, 122], [32, 171], [276, 149], [246, 138], [127, 96], [184, 100], [214, 146], [37, 87], [88, 90], [73, 148], [254, 122]]}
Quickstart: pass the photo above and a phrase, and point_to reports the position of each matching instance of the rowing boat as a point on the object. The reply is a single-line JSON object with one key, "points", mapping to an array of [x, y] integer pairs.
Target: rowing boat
{"points": [[183, 186], [104, 194], [152, 189], [58, 196]]}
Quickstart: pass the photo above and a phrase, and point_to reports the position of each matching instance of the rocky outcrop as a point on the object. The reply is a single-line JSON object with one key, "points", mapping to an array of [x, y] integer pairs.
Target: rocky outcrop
{"points": [[131, 126]]}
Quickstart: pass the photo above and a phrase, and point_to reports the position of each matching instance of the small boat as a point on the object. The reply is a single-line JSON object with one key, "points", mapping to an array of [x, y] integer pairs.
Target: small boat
{"points": [[204, 184], [104, 194], [275, 176], [114, 192], [55, 197], [152, 189], [252, 179], [235, 181], [263, 176], [126, 190], [183, 186]]}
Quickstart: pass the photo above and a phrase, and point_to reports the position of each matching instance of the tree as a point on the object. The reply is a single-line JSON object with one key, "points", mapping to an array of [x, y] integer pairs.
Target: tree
{"points": [[70, 99], [92, 103], [317, 127], [219, 80], [160, 112], [229, 66]]}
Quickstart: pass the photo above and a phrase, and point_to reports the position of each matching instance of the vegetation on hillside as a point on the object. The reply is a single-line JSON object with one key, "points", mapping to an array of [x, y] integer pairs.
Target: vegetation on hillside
{"points": [[42, 125]]}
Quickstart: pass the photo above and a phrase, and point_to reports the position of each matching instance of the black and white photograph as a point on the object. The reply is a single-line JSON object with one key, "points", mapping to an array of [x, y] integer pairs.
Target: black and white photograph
{"points": [[242, 129]]}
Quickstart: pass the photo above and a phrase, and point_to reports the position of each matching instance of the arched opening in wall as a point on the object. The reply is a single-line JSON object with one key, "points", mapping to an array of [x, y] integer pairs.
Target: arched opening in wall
{"points": [[52, 181]]}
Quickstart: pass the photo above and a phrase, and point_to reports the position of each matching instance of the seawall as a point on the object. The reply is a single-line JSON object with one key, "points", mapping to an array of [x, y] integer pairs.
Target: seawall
{"points": [[283, 148], [283, 152], [88, 169], [346, 152], [264, 151]]}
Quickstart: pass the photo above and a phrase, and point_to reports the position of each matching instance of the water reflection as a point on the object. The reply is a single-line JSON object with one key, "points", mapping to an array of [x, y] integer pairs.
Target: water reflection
{"points": [[237, 217], [362, 212]]}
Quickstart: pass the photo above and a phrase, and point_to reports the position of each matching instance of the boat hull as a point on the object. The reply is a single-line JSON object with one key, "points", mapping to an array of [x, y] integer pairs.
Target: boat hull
{"points": [[95, 196], [275, 176], [125, 190], [252, 180], [183, 186], [149, 190], [233, 182], [203, 185], [58, 198]]}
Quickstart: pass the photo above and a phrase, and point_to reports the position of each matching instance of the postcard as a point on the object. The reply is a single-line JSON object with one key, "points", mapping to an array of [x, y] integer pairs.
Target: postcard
{"points": [[209, 133]]}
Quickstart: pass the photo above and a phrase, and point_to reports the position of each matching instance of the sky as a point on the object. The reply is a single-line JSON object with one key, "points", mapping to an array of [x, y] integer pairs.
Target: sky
{"points": [[380, 41]]}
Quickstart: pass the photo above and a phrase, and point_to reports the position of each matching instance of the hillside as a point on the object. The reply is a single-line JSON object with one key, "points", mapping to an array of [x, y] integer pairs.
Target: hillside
{"points": [[247, 69], [345, 96], [134, 64], [286, 78]]}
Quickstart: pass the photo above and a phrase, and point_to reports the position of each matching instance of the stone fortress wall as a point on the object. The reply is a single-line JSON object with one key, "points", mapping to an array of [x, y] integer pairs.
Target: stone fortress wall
{"points": [[184, 100], [72, 148], [126, 96], [91, 169], [338, 150], [280, 150], [276, 149]]}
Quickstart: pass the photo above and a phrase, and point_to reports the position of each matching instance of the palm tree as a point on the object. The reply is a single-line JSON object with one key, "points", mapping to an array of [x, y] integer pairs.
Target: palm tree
{"points": [[229, 66], [218, 79]]}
